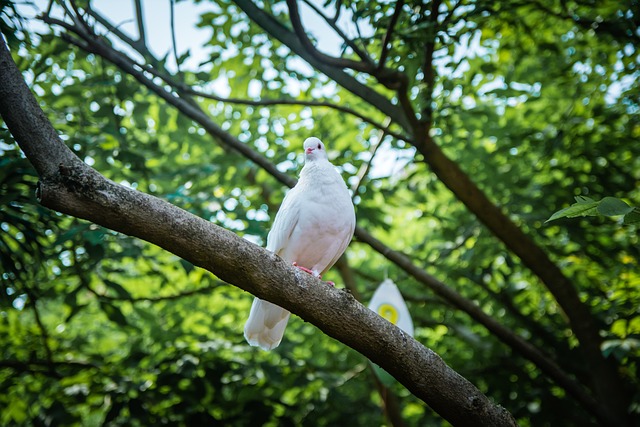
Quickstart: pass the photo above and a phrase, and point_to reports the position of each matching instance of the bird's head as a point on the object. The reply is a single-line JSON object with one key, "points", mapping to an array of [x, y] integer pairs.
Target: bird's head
{"points": [[314, 149]]}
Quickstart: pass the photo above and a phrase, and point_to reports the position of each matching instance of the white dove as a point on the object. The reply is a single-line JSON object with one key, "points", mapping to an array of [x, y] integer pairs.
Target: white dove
{"points": [[312, 229]]}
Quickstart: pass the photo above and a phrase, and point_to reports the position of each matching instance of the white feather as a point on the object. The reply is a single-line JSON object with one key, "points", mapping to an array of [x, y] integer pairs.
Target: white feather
{"points": [[312, 228]]}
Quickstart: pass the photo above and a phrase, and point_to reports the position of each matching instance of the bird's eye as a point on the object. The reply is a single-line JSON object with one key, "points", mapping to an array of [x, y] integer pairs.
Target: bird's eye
{"points": [[319, 147]]}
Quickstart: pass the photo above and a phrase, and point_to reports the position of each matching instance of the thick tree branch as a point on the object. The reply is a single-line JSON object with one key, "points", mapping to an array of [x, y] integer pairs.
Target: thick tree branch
{"points": [[70, 186]]}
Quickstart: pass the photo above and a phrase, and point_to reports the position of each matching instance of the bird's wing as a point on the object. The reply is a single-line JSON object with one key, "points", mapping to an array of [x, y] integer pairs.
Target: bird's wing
{"points": [[346, 239], [285, 222]]}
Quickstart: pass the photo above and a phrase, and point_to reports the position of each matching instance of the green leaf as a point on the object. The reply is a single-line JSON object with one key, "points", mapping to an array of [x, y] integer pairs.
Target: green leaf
{"points": [[584, 199], [122, 292], [582, 208], [632, 217], [188, 267], [113, 313], [611, 206]]}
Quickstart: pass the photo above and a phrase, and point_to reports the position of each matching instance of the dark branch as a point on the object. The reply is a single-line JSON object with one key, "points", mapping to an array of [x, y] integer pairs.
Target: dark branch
{"points": [[338, 11], [139, 45], [43, 366]]}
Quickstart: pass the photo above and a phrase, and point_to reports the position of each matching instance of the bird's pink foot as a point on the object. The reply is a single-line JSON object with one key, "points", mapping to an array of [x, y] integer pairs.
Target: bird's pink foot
{"points": [[333, 285], [305, 269]]}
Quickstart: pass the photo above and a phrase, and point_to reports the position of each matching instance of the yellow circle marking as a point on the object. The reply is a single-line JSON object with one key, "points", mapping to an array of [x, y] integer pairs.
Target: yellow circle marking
{"points": [[389, 312]]}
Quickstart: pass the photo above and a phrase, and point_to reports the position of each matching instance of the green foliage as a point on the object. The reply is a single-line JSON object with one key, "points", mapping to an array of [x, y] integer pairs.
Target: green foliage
{"points": [[609, 206], [535, 106]]}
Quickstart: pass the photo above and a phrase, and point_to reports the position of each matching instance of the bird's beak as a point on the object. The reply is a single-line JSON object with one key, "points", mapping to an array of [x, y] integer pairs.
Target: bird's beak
{"points": [[309, 150]]}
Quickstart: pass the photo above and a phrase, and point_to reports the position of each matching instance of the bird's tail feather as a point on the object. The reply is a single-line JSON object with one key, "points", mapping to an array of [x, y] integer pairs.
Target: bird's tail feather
{"points": [[266, 324]]}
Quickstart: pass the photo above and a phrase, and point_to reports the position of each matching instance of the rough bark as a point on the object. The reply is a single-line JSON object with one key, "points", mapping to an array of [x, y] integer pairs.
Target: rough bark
{"points": [[70, 186]]}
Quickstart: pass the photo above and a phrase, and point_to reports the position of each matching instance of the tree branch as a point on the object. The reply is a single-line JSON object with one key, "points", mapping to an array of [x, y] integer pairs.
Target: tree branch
{"points": [[142, 38], [43, 366], [70, 186], [139, 45], [387, 36], [333, 24], [267, 102], [43, 332], [198, 291], [364, 168], [173, 33], [296, 22], [428, 71], [285, 36]]}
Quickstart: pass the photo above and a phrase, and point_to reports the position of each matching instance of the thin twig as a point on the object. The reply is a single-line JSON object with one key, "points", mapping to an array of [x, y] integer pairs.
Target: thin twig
{"points": [[296, 22], [387, 36], [267, 102], [364, 168], [173, 33], [43, 332], [202, 290], [138, 45], [332, 23], [142, 37], [338, 10]]}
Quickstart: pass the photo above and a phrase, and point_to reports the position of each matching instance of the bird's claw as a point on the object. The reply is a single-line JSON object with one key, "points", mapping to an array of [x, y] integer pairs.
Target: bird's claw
{"points": [[305, 269], [311, 272]]}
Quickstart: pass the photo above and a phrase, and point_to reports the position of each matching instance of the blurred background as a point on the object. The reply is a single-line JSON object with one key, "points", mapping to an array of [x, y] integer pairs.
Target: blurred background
{"points": [[535, 102]]}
